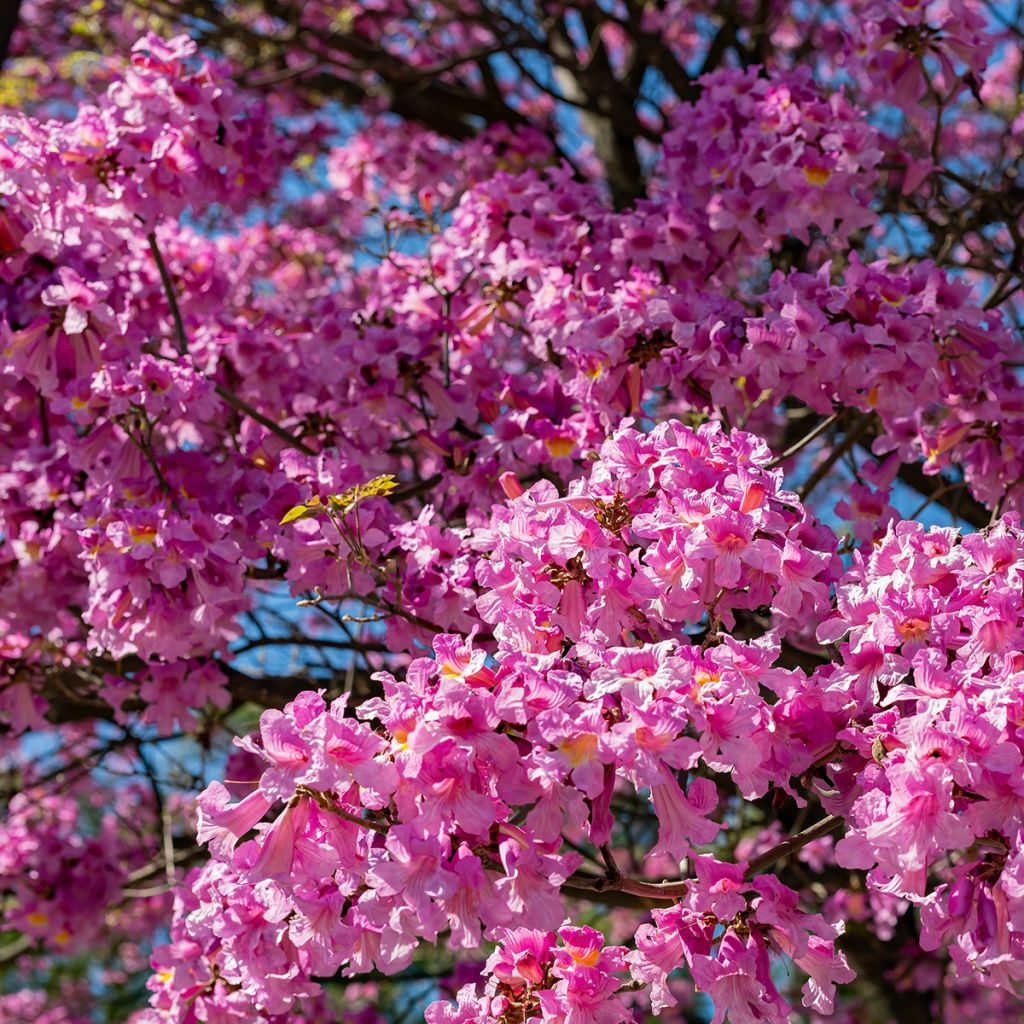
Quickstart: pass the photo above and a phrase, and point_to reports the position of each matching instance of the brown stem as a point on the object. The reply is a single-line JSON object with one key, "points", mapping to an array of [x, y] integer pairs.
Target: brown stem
{"points": [[329, 804], [611, 866], [169, 292], [835, 455], [822, 828], [253, 413], [590, 885], [804, 441]]}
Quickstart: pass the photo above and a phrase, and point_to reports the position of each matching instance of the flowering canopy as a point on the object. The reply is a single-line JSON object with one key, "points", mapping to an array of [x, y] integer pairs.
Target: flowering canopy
{"points": [[511, 512]]}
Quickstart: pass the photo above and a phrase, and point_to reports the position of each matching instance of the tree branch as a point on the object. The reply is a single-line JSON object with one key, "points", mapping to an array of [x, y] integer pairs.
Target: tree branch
{"points": [[789, 846], [9, 12]]}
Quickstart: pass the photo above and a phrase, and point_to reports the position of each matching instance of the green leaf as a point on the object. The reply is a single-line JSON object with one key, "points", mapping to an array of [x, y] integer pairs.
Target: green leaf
{"points": [[378, 487], [298, 512]]}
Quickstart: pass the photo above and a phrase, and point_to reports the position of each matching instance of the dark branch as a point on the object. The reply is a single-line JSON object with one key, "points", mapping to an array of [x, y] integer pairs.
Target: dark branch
{"points": [[9, 11]]}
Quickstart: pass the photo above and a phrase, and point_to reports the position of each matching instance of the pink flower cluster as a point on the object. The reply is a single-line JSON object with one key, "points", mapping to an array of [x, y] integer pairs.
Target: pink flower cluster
{"points": [[73, 190], [908, 345], [760, 157], [577, 980], [898, 51], [60, 872], [169, 131], [161, 581], [668, 530], [930, 626], [393, 162], [384, 835], [724, 929], [32, 1006]]}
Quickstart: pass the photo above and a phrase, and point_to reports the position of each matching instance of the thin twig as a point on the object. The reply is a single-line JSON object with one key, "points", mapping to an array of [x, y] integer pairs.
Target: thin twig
{"points": [[331, 805], [834, 456], [169, 292], [609, 862], [822, 828], [14, 949], [253, 413], [805, 440]]}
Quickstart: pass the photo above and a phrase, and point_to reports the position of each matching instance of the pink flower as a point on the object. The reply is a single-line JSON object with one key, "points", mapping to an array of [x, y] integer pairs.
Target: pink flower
{"points": [[222, 824], [523, 958], [683, 818], [739, 982]]}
